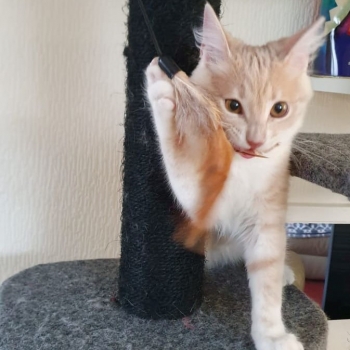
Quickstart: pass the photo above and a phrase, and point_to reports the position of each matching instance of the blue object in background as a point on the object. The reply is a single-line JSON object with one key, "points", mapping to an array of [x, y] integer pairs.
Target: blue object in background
{"points": [[298, 230], [342, 46], [326, 6], [334, 56], [321, 61]]}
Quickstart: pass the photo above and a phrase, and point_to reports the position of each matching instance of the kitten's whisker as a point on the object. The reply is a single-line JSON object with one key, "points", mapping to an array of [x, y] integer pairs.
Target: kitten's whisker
{"points": [[296, 160], [316, 143], [309, 154]]}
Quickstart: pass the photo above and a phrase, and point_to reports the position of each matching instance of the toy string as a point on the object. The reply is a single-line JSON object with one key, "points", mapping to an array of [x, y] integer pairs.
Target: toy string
{"points": [[150, 29]]}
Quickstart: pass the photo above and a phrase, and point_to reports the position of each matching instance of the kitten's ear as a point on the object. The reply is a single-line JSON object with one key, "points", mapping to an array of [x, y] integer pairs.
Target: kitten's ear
{"points": [[211, 38], [300, 48]]}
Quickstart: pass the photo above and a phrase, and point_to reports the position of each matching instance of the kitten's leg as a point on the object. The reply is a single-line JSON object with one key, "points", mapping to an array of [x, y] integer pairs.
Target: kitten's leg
{"points": [[182, 159], [265, 259]]}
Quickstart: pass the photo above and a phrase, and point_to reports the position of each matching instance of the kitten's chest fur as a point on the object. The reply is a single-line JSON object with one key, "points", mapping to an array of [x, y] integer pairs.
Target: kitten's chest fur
{"points": [[246, 190]]}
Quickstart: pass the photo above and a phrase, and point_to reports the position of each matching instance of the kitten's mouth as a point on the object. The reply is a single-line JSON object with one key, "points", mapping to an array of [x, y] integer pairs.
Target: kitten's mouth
{"points": [[250, 154], [253, 153]]}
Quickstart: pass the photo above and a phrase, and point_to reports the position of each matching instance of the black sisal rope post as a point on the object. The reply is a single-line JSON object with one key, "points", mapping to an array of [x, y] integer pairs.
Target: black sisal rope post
{"points": [[157, 277]]}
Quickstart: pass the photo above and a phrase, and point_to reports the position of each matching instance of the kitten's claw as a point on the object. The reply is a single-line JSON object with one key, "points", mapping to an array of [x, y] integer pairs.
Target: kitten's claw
{"points": [[160, 90], [285, 342]]}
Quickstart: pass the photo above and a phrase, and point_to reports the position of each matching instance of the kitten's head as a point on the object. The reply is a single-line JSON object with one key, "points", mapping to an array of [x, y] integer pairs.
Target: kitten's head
{"points": [[263, 91]]}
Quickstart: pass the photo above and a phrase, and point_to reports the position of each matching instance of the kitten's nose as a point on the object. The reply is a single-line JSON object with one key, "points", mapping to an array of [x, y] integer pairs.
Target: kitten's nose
{"points": [[254, 145]]}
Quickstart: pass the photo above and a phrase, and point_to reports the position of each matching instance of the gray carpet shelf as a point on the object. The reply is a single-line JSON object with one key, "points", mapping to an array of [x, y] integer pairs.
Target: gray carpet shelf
{"points": [[323, 159], [71, 305]]}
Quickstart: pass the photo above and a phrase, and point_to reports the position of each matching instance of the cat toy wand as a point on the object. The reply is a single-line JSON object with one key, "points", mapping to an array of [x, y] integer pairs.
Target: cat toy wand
{"points": [[187, 95]]}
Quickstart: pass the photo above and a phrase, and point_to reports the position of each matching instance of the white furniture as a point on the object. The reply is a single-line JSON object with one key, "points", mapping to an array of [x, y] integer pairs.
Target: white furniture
{"points": [[328, 113], [331, 84], [310, 203], [339, 335]]}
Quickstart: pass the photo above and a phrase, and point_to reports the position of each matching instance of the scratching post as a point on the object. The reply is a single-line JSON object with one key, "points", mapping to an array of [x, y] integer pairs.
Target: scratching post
{"points": [[158, 278]]}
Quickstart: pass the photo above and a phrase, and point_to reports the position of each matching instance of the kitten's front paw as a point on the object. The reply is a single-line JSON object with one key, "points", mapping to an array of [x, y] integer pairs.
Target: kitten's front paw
{"points": [[160, 90], [288, 275], [285, 342]]}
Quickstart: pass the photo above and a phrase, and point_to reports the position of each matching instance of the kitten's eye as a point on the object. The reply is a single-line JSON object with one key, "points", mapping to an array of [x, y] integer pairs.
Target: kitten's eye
{"points": [[279, 110], [233, 106]]}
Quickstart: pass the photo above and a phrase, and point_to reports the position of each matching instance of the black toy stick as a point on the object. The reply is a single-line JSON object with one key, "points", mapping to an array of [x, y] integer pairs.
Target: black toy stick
{"points": [[167, 64]]}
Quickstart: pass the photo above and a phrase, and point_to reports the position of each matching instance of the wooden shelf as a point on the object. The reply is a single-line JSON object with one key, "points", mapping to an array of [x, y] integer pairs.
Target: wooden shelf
{"points": [[331, 84]]}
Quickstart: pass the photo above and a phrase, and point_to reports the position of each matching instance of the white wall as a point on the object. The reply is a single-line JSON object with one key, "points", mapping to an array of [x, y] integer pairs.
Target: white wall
{"points": [[61, 109]]}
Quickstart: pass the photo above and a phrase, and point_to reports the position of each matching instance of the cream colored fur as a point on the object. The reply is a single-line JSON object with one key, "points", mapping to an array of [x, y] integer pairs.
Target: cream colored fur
{"points": [[249, 216]]}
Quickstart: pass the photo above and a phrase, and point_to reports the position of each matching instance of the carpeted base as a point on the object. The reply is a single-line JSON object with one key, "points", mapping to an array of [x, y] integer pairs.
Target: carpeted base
{"points": [[70, 306], [324, 160]]}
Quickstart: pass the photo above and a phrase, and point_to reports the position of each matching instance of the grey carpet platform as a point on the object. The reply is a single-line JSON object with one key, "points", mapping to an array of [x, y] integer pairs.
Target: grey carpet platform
{"points": [[323, 159], [70, 306]]}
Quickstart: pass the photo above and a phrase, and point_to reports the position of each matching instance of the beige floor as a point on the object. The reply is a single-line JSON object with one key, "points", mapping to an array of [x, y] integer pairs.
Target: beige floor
{"points": [[339, 335]]}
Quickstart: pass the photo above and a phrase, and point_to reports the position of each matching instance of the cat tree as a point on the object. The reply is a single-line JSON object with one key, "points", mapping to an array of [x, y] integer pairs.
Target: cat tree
{"points": [[71, 305]]}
